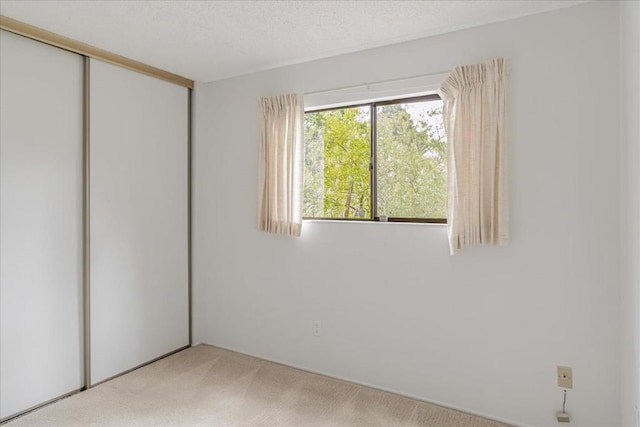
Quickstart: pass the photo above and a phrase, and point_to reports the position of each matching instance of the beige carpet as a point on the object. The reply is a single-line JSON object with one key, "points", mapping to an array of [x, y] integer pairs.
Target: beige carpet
{"points": [[209, 386]]}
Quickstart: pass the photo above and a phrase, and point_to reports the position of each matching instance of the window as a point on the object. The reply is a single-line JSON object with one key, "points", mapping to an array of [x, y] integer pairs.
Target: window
{"points": [[377, 160]]}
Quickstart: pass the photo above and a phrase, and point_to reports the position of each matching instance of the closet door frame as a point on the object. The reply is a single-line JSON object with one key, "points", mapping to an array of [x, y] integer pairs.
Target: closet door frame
{"points": [[87, 52]]}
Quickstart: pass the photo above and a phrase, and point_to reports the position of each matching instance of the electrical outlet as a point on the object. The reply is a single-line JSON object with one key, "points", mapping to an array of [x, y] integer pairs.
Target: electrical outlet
{"points": [[565, 377], [315, 328]]}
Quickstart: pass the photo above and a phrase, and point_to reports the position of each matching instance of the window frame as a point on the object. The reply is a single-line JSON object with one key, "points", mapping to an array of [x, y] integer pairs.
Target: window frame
{"points": [[373, 164]]}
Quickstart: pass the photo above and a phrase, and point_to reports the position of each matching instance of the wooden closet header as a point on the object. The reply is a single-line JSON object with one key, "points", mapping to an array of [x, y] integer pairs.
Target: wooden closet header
{"points": [[32, 32]]}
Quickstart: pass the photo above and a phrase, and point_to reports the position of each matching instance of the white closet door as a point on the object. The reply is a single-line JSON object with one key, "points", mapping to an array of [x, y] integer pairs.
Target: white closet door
{"points": [[138, 182], [40, 223]]}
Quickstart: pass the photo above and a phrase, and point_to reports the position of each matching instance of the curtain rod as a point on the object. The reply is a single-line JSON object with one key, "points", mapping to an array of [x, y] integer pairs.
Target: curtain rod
{"points": [[366, 84]]}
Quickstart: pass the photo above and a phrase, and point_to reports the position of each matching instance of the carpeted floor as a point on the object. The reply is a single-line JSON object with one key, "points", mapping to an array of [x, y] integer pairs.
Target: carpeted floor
{"points": [[209, 386]]}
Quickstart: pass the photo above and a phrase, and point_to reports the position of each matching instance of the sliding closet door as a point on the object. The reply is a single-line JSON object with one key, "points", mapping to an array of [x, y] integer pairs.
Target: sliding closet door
{"points": [[40, 223], [139, 241]]}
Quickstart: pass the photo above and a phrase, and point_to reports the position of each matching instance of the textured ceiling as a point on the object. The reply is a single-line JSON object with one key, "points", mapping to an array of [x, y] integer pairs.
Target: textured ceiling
{"points": [[210, 40]]}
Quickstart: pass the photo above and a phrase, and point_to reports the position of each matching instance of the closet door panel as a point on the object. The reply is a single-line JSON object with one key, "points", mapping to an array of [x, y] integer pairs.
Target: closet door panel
{"points": [[41, 348], [139, 242]]}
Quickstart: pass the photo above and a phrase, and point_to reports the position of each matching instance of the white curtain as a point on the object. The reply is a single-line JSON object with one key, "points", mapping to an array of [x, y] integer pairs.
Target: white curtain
{"points": [[281, 164], [474, 118]]}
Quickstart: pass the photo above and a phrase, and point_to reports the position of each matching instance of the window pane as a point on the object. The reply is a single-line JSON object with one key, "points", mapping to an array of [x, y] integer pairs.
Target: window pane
{"points": [[336, 163], [411, 160]]}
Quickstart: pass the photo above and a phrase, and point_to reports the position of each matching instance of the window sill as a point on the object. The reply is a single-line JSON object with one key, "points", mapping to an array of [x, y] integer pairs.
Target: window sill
{"points": [[372, 221]]}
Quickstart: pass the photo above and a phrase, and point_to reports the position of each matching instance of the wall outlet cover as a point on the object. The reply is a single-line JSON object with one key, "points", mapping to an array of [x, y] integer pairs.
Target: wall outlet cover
{"points": [[565, 377], [315, 328]]}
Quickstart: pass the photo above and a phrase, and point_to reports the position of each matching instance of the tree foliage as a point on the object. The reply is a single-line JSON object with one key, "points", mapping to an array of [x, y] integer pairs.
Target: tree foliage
{"points": [[411, 162]]}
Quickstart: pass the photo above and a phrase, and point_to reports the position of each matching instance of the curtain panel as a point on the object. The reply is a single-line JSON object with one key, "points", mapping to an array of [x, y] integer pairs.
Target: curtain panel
{"points": [[474, 118], [281, 164]]}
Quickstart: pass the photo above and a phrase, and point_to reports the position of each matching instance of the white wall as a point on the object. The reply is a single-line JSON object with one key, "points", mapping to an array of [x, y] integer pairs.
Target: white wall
{"points": [[482, 331], [630, 137]]}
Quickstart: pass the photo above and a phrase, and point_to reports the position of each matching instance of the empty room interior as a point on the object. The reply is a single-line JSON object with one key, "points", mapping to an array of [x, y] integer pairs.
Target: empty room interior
{"points": [[320, 213]]}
